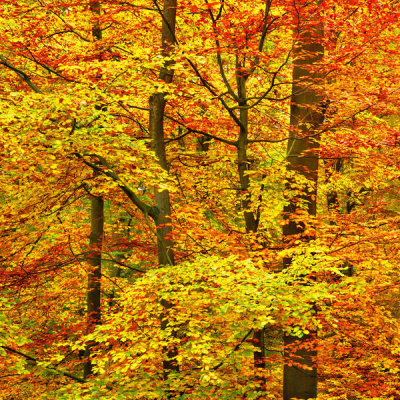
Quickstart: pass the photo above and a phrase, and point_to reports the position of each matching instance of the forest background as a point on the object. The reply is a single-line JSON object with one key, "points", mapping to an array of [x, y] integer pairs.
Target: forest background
{"points": [[199, 200]]}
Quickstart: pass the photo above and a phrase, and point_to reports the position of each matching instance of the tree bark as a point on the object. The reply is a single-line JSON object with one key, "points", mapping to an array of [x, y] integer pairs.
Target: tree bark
{"points": [[162, 198], [306, 115], [251, 220], [94, 275], [93, 296], [157, 103]]}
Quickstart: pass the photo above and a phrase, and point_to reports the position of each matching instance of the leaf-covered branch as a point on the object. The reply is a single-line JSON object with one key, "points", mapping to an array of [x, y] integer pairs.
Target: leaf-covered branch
{"points": [[102, 167], [35, 361], [20, 73]]}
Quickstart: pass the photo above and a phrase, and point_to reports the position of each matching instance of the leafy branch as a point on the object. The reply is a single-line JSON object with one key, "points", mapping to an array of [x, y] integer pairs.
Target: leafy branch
{"points": [[20, 73], [35, 361], [103, 167]]}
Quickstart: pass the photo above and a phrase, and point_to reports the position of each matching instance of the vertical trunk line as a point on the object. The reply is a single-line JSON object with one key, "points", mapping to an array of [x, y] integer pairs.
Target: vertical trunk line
{"points": [[306, 115], [157, 103], [243, 161], [332, 199], [162, 200], [93, 296], [94, 275], [251, 222]]}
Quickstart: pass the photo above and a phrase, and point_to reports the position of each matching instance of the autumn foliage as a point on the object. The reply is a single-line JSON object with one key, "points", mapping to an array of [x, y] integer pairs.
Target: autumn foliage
{"points": [[200, 279]]}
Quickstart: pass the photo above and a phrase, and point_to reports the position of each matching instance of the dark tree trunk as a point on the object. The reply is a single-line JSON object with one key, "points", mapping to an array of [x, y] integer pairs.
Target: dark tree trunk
{"points": [[251, 220], [302, 157], [93, 296], [162, 198], [94, 275], [157, 103]]}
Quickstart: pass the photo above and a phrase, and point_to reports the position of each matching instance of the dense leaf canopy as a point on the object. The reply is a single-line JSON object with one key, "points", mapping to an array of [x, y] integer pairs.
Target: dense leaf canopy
{"points": [[76, 79]]}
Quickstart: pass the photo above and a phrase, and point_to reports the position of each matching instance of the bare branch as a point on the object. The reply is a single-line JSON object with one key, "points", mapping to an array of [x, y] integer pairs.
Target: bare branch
{"points": [[219, 59]]}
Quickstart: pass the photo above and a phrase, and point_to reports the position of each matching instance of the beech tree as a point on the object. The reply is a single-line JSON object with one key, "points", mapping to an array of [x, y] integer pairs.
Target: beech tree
{"points": [[306, 117], [113, 101]]}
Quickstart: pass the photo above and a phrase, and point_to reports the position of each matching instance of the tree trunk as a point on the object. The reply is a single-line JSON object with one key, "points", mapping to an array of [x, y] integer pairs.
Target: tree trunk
{"points": [[157, 103], [93, 296], [306, 115], [94, 275], [251, 221], [162, 198]]}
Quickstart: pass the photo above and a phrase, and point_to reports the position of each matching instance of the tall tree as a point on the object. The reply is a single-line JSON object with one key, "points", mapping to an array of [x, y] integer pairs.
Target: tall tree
{"points": [[96, 238], [157, 105], [94, 274], [56, 142], [306, 116]]}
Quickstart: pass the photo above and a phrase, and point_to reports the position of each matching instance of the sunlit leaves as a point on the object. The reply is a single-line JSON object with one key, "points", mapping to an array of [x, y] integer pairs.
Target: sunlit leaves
{"points": [[93, 108]]}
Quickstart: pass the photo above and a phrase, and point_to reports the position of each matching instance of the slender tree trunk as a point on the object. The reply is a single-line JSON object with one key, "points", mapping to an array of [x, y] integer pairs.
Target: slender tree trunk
{"points": [[94, 275], [333, 203], [96, 30], [93, 296], [126, 221], [162, 198], [251, 220], [157, 103], [332, 199], [302, 156]]}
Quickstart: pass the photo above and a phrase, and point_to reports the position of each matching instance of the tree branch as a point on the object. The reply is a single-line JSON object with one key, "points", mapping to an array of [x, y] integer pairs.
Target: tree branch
{"points": [[35, 361], [108, 171], [20, 73]]}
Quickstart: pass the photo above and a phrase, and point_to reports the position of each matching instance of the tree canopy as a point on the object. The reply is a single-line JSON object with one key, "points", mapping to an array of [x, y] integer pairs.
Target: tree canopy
{"points": [[199, 199]]}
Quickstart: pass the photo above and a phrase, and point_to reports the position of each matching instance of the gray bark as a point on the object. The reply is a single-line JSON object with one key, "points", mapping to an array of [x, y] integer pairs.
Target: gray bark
{"points": [[302, 156]]}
